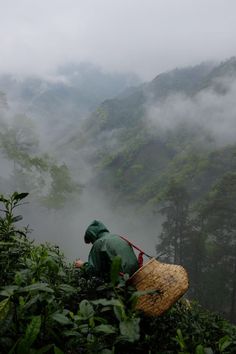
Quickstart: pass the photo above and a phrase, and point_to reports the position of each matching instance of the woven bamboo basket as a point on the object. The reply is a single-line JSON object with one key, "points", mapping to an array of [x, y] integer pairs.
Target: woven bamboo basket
{"points": [[170, 281]]}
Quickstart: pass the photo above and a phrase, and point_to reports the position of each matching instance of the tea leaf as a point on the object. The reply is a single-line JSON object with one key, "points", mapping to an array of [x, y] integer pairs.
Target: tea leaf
{"points": [[57, 350], [19, 196], [106, 329], [17, 218], [30, 336], [130, 329], [37, 286], [86, 309], [224, 343], [199, 349], [60, 318], [4, 308]]}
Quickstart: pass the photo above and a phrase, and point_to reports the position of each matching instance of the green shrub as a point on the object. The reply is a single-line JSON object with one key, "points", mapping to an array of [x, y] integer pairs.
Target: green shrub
{"points": [[48, 306]]}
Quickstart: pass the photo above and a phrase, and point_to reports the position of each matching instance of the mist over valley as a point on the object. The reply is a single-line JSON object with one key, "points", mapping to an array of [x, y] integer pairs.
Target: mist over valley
{"points": [[123, 113], [119, 155]]}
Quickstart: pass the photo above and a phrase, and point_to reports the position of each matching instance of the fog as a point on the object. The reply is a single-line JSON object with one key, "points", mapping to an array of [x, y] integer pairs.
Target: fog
{"points": [[131, 38], [214, 112], [147, 37], [209, 109], [66, 226]]}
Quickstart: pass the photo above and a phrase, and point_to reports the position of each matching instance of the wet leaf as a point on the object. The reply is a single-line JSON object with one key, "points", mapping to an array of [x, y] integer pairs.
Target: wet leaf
{"points": [[224, 343], [19, 196], [130, 329], [60, 318], [86, 309], [17, 218], [37, 286], [4, 308], [57, 350], [105, 328], [31, 334]]}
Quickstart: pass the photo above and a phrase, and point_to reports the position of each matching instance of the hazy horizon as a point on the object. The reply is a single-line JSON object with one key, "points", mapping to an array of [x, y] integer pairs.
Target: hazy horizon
{"points": [[146, 37]]}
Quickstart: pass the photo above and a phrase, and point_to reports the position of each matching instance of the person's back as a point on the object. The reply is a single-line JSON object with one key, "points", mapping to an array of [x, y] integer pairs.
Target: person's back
{"points": [[105, 247]]}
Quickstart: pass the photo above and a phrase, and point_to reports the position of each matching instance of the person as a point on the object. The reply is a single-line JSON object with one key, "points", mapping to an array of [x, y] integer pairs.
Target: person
{"points": [[105, 246]]}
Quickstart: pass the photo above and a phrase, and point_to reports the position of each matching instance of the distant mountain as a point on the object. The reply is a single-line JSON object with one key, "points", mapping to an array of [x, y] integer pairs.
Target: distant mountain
{"points": [[128, 109], [67, 96], [136, 155], [137, 137], [185, 80]]}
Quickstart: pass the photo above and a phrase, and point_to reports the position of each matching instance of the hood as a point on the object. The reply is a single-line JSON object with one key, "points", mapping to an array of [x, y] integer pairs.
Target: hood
{"points": [[94, 231]]}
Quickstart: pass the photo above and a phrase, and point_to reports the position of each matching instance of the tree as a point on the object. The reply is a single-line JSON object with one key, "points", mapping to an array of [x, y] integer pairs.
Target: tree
{"points": [[219, 222], [176, 226], [39, 174], [62, 187]]}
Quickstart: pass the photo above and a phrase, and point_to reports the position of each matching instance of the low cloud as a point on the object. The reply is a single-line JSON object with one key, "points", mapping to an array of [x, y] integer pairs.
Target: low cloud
{"points": [[214, 112], [145, 36], [65, 227]]}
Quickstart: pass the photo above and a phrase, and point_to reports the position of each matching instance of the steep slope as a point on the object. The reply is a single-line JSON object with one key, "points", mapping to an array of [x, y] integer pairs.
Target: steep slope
{"points": [[64, 98], [161, 130]]}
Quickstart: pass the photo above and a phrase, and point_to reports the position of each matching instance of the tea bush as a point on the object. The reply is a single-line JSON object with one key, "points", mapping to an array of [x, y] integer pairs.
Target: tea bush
{"points": [[48, 306]]}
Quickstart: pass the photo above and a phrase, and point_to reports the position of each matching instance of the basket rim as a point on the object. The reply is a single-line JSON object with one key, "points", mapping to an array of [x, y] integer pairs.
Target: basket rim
{"points": [[178, 267], [144, 266]]}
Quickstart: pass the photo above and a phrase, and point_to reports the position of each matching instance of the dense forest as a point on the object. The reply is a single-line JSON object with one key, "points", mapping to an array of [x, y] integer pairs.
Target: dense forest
{"points": [[165, 149]]}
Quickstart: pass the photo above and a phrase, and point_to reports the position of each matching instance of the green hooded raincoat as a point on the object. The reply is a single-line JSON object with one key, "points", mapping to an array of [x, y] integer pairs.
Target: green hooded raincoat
{"points": [[105, 247]]}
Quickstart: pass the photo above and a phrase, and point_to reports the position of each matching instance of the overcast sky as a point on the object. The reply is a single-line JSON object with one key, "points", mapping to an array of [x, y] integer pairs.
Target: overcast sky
{"points": [[144, 36]]}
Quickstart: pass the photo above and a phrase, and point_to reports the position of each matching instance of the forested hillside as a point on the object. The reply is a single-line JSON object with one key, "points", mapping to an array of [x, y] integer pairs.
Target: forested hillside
{"points": [[65, 97], [169, 147], [163, 129], [165, 150], [117, 167], [38, 114]]}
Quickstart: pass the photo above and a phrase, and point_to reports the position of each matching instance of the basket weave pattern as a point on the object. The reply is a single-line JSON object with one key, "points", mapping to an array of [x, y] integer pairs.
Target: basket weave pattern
{"points": [[171, 282]]}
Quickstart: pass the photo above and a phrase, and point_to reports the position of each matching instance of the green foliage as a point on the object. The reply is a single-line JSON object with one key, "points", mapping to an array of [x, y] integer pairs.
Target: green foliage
{"points": [[61, 187], [13, 241], [218, 213], [203, 240], [50, 183], [31, 334], [48, 306], [176, 226]]}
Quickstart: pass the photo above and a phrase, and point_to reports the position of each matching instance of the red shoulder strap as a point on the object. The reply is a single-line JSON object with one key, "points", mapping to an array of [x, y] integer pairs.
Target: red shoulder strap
{"points": [[141, 252], [140, 259]]}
